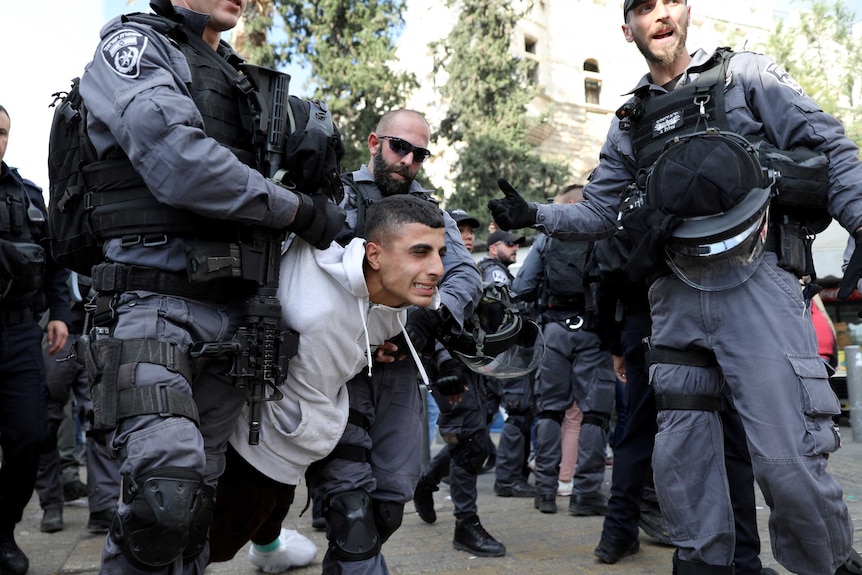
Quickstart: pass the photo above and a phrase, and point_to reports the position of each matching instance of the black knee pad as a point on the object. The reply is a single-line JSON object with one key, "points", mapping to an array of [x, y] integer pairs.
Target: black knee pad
{"points": [[387, 517], [603, 420], [553, 415], [470, 453], [351, 526], [202, 518], [163, 506]]}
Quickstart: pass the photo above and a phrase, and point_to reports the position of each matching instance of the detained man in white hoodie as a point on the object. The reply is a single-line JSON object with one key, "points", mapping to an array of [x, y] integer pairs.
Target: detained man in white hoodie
{"points": [[344, 302]]}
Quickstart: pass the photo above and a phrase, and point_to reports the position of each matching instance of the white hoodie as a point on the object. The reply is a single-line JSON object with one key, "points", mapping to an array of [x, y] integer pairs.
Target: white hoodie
{"points": [[324, 298]]}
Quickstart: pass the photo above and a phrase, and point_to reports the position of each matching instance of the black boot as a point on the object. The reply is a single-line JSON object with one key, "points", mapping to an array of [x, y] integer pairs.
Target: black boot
{"points": [[470, 536], [12, 559], [423, 500], [853, 565]]}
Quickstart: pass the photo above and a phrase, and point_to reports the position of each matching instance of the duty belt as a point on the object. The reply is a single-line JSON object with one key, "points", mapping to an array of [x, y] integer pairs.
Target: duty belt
{"points": [[116, 278], [13, 316]]}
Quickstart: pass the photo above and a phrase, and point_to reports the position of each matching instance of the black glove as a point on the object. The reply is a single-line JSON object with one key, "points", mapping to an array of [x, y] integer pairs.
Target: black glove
{"points": [[423, 325], [318, 220], [450, 379], [854, 269], [512, 212]]}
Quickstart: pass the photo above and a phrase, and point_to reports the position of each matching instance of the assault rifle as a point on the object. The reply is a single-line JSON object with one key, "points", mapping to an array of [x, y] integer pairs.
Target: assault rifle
{"points": [[260, 350]]}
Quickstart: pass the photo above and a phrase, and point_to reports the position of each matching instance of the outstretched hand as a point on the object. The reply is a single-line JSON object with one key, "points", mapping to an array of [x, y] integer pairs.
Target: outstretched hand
{"points": [[512, 211]]}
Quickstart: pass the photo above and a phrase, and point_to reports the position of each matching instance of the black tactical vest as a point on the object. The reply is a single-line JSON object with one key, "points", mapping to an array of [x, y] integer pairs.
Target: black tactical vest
{"points": [[122, 205], [23, 259]]}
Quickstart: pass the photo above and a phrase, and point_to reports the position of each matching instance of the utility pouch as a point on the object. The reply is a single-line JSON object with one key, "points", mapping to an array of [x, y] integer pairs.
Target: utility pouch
{"points": [[103, 363], [794, 248], [208, 261]]}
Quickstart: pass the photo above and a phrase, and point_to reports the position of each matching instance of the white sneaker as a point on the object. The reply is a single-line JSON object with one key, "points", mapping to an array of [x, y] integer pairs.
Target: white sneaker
{"points": [[564, 488], [294, 550]]}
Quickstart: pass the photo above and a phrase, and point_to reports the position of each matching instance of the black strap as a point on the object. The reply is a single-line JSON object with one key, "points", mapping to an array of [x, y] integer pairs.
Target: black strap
{"points": [[161, 353], [156, 399], [116, 278], [695, 356], [689, 402]]}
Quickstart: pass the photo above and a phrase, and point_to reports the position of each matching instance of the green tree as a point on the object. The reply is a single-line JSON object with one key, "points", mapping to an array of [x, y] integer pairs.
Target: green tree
{"points": [[348, 46], [486, 95], [819, 50]]}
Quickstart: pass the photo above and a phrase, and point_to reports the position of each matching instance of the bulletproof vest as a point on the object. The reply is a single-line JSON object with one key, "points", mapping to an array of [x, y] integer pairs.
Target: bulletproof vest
{"points": [[566, 274], [122, 205], [22, 259], [366, 194], [654, 120]]}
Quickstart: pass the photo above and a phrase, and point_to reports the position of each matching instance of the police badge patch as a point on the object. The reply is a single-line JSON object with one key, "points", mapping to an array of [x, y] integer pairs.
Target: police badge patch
{"points": [[122, 52], [784, 78]]}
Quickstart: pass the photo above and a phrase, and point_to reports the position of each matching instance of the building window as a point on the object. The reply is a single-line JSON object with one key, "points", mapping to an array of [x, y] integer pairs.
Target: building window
{"points": [[531, 53], [592, 82]]}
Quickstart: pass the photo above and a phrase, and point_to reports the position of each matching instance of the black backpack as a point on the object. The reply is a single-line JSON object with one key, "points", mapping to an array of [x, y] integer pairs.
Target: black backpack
{"points": [[73, 243]]}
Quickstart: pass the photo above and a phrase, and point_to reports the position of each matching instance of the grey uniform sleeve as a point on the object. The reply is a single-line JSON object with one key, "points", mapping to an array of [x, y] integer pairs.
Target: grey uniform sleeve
{"points": [[596, 217], [790, 118], [147, 110], [461, 285]]}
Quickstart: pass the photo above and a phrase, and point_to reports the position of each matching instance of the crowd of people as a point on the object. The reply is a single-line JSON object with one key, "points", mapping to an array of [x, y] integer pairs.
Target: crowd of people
{"points": [[249, 327]]}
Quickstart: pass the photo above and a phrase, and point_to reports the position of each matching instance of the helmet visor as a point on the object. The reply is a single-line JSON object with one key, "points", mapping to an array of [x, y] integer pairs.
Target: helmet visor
{"points": [[720, 264], [516, 361]]}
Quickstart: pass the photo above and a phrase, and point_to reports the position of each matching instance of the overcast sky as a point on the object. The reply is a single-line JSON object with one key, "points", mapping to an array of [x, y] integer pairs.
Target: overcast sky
{"points": [[45, 43]]}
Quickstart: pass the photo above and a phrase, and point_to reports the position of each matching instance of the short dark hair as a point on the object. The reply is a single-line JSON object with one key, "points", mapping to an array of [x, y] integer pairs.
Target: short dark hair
{"points": [[5, 111], [387, 214]]}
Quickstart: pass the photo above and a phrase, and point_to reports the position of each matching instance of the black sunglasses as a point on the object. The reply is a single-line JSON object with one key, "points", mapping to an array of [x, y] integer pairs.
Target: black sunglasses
{"points": [[511, 244], [403, 147]]}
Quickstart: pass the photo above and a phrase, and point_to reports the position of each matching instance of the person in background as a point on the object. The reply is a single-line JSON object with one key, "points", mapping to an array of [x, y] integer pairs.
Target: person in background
{"points": [[31, 283]]}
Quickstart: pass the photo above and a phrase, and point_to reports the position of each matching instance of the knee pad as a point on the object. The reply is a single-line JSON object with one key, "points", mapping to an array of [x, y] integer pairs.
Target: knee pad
{"points": [[470, 453], [552, 415], [352, 531], [202, 518], [163, 506], [387, 517], [601, 420]]}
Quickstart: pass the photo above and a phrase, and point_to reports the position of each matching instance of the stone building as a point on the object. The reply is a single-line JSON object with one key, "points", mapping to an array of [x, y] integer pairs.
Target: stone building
{"points": [[584, 67]]}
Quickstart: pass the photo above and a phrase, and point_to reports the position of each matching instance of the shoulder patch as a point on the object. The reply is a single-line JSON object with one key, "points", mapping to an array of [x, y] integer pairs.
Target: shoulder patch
{"points": [[499, 276], [784, 78], [123, 50]]}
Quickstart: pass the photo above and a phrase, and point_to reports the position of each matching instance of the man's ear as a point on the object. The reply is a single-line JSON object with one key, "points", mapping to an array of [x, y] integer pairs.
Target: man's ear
{"points": [[372, 255]]}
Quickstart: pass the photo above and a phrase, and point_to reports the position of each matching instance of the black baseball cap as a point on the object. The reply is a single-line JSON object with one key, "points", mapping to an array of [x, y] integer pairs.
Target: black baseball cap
{"points": [[629, 4], [503, 236], [462, 217]]}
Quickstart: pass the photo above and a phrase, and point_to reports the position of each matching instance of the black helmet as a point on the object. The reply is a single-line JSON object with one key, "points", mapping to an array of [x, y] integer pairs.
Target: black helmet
{"points": [[714, 181], [497, 340]]}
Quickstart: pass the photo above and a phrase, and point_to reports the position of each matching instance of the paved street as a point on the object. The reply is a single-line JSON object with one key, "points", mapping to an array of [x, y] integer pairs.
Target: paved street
{"points": [[537, 543]]}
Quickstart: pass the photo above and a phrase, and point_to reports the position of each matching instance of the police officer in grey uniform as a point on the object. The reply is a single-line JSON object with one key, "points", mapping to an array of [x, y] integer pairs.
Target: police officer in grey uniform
{"points": [[750, 343], [575, 368], [516, 393], [166, 99], [374, 469]]}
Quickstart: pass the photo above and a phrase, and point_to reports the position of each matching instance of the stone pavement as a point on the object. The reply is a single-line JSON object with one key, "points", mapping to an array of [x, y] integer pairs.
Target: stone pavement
{"points": [[537, 543]]}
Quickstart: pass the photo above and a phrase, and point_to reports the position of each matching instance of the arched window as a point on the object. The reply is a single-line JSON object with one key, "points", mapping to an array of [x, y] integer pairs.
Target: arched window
{"points": [[592, 82]]}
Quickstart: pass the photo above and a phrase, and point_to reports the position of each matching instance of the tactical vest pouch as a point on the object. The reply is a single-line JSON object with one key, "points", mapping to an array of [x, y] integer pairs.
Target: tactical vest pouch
{"points": [[803, 184], [793, 246], [24, 264]]}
